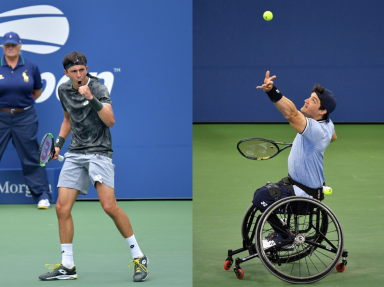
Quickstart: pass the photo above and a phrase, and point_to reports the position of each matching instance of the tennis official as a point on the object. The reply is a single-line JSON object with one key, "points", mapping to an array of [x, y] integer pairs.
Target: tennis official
{"points": [[315, 131], [88, 114], [20, 86]]}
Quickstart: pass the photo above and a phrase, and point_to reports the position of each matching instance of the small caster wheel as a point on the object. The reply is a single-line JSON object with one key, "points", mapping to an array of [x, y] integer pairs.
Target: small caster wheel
{"points": [[227, 264], [340, 267], [239, 273]]}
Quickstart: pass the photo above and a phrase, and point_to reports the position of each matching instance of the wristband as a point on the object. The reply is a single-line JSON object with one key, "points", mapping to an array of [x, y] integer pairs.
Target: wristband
{"points": [[274, 95], [59, 142], [96, 104]]}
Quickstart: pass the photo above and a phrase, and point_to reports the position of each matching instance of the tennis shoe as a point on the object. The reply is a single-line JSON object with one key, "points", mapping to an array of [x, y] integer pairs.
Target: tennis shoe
{"points": [[59, 272], [43, 204], [276, 238], [140, 265]]}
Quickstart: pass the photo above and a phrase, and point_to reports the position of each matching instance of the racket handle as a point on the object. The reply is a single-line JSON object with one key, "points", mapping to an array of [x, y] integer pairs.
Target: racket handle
{"points": [[61, 158]]}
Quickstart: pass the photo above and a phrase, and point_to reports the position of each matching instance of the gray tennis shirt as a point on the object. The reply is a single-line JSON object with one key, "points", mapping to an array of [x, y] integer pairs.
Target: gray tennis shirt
{"points": [[90, 135]]}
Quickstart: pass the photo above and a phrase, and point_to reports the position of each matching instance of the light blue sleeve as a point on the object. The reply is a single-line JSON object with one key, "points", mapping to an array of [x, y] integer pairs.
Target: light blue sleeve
{"points": [[313, 132]]}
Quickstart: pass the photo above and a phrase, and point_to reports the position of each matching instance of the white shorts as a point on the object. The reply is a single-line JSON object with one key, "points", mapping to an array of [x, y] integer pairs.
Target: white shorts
{"points": [[79, 170]]}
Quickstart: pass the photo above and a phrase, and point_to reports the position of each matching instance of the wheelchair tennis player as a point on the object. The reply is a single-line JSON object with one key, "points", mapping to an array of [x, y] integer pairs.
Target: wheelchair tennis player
{"points": [[315, 131]]}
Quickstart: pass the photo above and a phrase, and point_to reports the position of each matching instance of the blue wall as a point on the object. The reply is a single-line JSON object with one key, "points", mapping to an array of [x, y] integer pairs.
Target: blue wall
{"points": [[338, 44], [143, 51]]}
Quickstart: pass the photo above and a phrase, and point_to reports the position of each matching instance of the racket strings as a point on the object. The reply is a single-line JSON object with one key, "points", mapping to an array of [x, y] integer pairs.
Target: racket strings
{"points": [[258, 149], [46, 149]]}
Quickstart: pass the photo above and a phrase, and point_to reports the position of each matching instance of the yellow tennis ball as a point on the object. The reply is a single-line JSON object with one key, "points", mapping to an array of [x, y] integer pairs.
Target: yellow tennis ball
{"points": [[327, 190], [268, 16]]}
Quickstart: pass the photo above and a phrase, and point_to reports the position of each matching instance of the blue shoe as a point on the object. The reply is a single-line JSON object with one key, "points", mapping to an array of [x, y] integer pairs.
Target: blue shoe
{"points": [[276, 238]]}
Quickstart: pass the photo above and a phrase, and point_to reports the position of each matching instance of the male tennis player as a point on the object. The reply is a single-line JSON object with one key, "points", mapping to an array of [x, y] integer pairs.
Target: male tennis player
{"points": [[88, 114], [305, 162]]}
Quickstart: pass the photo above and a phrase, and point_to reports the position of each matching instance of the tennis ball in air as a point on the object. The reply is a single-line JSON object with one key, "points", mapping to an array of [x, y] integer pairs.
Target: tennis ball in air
{"points": [[327, 190], [268, 16]]}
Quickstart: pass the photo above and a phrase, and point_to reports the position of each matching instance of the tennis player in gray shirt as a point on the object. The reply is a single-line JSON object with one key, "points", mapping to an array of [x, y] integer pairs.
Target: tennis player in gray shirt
{"points": [[88, 115]]}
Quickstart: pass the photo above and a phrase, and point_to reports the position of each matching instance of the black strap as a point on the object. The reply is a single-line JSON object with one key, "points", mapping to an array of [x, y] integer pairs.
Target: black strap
{"points": [[274, 190], [316, 193], [285, 182]]}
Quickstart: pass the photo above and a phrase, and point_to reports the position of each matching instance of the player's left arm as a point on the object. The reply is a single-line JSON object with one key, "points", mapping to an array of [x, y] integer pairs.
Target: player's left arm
{"points": [[334, 137], [284, 105], [106, 115], [104, 111]]}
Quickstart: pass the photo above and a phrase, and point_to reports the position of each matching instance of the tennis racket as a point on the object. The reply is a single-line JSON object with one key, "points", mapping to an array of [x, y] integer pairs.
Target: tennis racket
{"points": [[47, 150], [261, 149]]}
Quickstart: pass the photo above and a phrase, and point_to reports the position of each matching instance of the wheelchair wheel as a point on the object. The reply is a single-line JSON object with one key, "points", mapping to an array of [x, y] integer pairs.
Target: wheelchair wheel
{"points": [[316, 242], [248, 227]]}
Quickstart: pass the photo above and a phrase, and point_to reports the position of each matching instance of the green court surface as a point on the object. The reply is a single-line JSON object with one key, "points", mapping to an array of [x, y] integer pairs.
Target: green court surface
{"points": [[29, 239], [224, 183]]}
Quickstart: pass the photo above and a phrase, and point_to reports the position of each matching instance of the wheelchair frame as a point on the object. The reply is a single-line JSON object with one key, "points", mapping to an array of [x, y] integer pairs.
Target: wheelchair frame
{"points": [[316, 237]]}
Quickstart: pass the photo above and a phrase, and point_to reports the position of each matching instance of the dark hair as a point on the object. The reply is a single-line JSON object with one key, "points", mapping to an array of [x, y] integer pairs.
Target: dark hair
{"points": [[319, 90], [74, 58]]}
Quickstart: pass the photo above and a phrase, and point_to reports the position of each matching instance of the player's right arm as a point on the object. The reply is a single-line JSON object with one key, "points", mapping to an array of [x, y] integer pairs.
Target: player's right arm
{"points": [[288, 109], [284, 105], [65, 130]]}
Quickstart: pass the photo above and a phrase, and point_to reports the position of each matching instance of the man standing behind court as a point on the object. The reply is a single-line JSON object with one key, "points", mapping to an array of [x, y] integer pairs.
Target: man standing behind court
{"points": [[20, 86]]}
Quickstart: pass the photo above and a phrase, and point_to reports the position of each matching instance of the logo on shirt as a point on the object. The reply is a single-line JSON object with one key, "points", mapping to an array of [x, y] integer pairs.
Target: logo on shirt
{"points": [[26, 78], [85, 103], [49, 32]]}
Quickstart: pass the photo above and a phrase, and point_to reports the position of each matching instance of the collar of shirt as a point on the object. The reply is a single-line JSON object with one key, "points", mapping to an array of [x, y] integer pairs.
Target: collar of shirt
{"points": [[4, 63]]}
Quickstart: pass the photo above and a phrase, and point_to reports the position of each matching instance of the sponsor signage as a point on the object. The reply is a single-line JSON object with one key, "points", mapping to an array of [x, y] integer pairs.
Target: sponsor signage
{"points": [[48, 34], [14, 190], [142, 52]]}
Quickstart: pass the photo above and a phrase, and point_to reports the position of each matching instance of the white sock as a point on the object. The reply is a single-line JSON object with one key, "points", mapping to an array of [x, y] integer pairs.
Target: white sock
{"points": [[67, 255], [135, 249]]}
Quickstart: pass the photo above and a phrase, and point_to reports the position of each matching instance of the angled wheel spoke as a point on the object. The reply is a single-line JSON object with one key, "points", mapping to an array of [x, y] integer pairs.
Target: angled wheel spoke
{"points": [[306, 263], [314, 265], [318, 251], [319, 259]]}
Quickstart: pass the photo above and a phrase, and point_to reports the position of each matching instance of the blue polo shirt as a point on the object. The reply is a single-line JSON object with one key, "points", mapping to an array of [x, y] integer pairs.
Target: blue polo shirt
{"points": [[305, 161], [16, 85]]}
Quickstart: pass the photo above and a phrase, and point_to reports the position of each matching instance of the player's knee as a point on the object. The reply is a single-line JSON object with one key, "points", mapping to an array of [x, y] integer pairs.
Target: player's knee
{"points": [[261, 198], [62, 210], [111, 209]]}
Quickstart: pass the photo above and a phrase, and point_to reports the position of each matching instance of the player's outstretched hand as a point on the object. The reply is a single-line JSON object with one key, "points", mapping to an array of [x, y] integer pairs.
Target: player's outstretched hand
{"points": [[268, 83]]}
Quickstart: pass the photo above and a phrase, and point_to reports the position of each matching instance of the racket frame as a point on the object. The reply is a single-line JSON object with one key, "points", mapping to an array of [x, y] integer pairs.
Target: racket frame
{"points": [[275, 143], [41, 147]]}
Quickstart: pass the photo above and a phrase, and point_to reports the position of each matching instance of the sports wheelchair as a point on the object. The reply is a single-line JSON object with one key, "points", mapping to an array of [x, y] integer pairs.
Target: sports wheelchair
{"points": [[315, 247]]}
